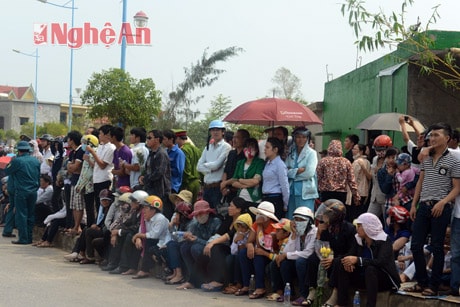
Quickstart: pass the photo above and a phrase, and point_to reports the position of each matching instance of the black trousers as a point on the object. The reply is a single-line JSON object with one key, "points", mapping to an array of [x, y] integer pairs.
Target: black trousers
{"points": [[370, 277], [217, 267]]}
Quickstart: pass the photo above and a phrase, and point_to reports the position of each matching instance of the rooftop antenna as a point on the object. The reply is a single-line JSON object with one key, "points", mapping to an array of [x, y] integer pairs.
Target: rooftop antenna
{"points": [[358, 58], [328, 75]]}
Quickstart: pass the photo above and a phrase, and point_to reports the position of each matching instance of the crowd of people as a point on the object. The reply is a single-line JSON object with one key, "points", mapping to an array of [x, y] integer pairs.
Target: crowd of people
{"points": [[241, 212]]}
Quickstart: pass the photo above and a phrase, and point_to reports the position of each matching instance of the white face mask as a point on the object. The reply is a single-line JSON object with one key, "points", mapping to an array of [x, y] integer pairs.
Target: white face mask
{"points": [[301, 226], [202, 218]]}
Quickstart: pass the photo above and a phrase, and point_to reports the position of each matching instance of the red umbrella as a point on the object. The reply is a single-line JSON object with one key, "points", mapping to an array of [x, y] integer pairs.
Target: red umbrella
{"points": [[4, 161], [273, 111]]}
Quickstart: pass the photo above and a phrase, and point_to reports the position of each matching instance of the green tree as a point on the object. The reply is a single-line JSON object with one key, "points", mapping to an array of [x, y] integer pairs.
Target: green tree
{"points": [[55, 129], [202, 74], [2, 135], [390, 30], [28, 129], [220, 106], [287, 85], [121, 98], [12, 134]]}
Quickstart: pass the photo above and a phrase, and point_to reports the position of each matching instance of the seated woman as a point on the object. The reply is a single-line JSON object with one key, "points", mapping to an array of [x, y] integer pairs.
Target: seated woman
{"points": [[84, 245], [248, 173], [260, 243], [218, 249], [124, 256], [340, 234], [299, 257], [371, 266], [201, 228], [178, 225]]}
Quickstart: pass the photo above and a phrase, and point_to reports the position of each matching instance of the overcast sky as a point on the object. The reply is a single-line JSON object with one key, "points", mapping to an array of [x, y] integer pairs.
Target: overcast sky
{"points": [[302, 35]]}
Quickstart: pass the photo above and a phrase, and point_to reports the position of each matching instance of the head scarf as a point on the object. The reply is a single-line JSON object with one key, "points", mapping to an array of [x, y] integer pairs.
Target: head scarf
{"points": [[36, 152], [372, 227], [334, 149]]}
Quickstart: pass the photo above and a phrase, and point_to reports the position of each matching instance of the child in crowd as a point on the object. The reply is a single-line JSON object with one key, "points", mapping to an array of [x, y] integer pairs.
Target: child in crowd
{"points": [[407, 177], [278, 279]]}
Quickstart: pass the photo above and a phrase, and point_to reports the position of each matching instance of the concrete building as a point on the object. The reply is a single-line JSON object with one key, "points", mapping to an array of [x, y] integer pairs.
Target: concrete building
{"points": [[393, 83], [17, 108]]}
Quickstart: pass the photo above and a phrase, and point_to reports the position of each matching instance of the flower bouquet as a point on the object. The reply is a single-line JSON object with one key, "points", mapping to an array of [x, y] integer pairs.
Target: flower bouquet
{"points": [[323, 251]]}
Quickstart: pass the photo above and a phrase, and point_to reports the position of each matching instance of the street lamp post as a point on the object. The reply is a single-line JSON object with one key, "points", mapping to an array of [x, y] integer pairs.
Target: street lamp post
{"points": [[73, 8], [140, 20], [123, 40], [34, 55]]}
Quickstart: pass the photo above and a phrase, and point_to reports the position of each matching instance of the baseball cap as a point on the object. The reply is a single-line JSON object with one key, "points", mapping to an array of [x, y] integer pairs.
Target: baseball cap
{"points": [[403, 158]]}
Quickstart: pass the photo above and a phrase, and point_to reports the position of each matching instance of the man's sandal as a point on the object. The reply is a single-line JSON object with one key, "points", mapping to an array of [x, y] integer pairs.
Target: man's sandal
{"points": [[414, 289]]}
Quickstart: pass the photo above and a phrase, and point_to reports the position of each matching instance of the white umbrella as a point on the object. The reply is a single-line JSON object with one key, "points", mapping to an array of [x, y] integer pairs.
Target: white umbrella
{"points": [[389, 122]]}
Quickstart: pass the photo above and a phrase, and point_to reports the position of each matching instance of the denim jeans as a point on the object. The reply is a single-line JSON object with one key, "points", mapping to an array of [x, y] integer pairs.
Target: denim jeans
{"points": [[246, 266], [213, 196], [425, 224], [174, 257], [455, 252]]}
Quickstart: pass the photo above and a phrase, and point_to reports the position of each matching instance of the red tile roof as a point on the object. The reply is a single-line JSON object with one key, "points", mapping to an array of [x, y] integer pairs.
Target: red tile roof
{"points": [[18, 91]]}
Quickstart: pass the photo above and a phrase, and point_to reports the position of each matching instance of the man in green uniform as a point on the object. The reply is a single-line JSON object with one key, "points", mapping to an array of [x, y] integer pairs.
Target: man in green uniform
{"points": [[25, 171], [191, 176]]}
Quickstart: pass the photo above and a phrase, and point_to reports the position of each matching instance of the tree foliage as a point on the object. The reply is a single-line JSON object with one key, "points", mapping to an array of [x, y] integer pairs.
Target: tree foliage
{"points": [[220, 106], [202, 74], [390, 30], [121, 98], [287, 85]]}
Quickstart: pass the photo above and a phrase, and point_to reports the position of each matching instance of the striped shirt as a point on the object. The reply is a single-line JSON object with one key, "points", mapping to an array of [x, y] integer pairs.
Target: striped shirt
{"points": [[437, 182]]}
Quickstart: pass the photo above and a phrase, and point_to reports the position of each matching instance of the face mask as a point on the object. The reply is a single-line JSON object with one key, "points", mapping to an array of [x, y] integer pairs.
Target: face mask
{"points": [[381, 154], [202, 218], [83, 147], [301, 227], [249, 153]]}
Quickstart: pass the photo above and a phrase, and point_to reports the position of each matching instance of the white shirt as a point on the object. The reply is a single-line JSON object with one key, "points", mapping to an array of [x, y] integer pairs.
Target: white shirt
{"points": [[105, 153], [138, 150], [158, 228], [44, 166], [212, 161], [293, 250]]}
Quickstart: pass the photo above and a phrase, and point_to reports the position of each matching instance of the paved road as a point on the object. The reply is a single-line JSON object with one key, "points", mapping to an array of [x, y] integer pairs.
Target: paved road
{"points": [[32, 276]]}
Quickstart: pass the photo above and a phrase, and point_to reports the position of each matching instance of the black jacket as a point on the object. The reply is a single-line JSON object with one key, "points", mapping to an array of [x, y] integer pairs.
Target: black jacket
{"points": [[382, 258]]}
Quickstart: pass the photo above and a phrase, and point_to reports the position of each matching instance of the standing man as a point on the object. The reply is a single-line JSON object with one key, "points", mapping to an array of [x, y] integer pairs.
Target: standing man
{"points": [[350, 141], [74, 167], [236, 154], [140, 154], [455, 235], [176, 158], [45, 143], [431, 209], [212, 162], [24, 171], [157, 178], [103, 163], [190, 176], [121, 155]]}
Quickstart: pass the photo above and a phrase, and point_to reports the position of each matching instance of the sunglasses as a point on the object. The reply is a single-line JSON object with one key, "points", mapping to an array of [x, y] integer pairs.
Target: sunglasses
{"points": [[150, 137]]}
